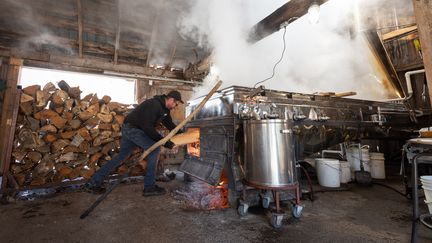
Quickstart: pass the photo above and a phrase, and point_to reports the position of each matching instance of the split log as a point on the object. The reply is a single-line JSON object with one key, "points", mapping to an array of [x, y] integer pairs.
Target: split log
{"points": [[68, 157], [106, 99], [31, 90], [75, 123], [26, 98], [34, 124], [42, 98], [50, 138], [191, 136], [48, 128], [26, 108], [49, 87], [59, 145]]}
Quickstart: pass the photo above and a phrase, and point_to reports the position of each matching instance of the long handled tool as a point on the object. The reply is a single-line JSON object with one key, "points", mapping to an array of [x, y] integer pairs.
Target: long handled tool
{"points": [[149, 150], [362, 176]]}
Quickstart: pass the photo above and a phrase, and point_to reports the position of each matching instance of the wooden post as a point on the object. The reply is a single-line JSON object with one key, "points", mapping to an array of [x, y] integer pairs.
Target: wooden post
{"points": [[9, 112], [423, 15]]}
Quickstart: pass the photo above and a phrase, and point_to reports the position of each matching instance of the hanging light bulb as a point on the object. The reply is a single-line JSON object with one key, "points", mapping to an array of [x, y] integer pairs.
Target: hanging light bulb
{"points": [[314, 12]]}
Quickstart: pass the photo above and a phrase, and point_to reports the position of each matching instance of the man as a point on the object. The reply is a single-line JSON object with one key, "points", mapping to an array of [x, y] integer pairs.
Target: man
{"points": [[139, 130]]}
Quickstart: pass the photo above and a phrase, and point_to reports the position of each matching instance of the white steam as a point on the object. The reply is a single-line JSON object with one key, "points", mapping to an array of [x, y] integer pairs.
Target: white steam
{"points": [[326, 57]]}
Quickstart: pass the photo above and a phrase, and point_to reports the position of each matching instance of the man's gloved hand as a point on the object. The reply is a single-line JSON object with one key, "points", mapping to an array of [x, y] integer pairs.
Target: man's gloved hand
{"points": [[169, 144], [179, 132]]}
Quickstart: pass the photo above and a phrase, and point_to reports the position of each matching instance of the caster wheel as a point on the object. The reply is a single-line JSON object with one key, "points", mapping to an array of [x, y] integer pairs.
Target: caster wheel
{"points": [[276, 221], [242, 209], [297, 211], [265, 202]]}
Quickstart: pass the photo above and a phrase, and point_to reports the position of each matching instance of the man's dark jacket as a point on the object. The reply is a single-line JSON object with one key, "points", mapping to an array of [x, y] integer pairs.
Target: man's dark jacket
{"points": [[147, 115]]}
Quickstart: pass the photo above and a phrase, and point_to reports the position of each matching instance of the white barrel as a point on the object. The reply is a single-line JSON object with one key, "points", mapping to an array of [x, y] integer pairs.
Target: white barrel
{"points": [[328, 172], [426, 181], [377, 168], [345, 175]]}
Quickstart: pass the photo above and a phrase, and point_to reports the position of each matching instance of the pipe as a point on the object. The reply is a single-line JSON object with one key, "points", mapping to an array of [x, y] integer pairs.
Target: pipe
{"points": [[409, 85], [131, 75], [331, 152]]}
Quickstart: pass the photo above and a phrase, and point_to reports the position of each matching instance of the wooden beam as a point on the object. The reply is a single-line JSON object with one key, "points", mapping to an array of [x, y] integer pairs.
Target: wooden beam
{"points": [[423, 15], [8, 115], [154, 34], [80, 28], [117, 38], [398, 33], [173, 51], [85, 64], [290, 11]]}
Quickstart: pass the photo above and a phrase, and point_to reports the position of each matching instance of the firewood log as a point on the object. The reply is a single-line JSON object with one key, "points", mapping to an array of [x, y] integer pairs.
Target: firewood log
{"points": [[26, 98], [59, 145], [105, 126], [42, 98], [104, 109], [75, 123], [106, 99], [49, 87], [84, 133], [48, 128], [68, 104], [50, 138], [63, 85], [26, 108], [67, 134], [31, 90], [94, 99], [191, 136], [58, 121], [119, 119], [67, 157], [34, 124], [105, 118], [38, 181], [109, 147], [74, 92]]}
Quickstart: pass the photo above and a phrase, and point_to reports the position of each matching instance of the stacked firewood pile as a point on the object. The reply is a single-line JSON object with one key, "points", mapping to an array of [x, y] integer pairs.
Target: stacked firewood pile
{"points": [[61, 136]]}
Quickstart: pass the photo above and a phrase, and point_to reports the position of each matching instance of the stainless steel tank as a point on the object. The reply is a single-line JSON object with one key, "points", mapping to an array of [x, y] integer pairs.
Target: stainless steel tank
{"points": [[269, 159]]}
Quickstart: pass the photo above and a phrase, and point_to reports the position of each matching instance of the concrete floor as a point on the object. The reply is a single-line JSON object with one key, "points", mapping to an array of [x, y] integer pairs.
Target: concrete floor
{"points": [[361, 214]]}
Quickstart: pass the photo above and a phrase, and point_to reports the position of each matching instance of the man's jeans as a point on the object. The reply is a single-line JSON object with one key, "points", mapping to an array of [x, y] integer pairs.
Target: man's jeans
{"points": [[131, 137]]}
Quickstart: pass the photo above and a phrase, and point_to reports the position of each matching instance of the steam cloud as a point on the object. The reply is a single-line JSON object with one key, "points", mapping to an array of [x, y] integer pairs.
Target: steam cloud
{"points": [[326, 57]]}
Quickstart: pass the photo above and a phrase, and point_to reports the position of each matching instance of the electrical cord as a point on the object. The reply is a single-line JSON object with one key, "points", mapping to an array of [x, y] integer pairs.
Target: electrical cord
{"points": [[280, 59]]}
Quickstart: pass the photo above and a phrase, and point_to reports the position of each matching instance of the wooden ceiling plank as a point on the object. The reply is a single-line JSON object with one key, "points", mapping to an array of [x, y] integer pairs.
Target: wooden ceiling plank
{"points": [[117, 39], [399, 32], [291, 10]]}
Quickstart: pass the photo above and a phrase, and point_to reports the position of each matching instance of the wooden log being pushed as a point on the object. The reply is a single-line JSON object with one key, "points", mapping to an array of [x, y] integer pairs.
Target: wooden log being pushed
{"points": [[191, 136]]}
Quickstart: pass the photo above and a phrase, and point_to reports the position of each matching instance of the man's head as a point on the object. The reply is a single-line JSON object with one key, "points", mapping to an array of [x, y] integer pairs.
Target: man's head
{"points": [[173, 99]]}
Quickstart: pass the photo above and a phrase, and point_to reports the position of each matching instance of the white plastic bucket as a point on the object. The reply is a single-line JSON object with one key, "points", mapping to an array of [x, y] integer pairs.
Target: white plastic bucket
{"points": [[377, 168], [426, 178], [376, 155], [429, 204], [345, 175], [328, 172], [428, 193]]}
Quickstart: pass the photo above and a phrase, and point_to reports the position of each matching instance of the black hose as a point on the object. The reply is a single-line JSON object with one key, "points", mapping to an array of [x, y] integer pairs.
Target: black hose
{"points": [[391, 188], [311, 194]]}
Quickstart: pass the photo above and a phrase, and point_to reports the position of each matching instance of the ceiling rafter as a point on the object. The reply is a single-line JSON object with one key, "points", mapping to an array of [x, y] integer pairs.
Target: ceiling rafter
{"points": [[80, 28]]}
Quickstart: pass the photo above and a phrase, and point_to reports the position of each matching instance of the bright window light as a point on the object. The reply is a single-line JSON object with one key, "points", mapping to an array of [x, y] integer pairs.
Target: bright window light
{"points": [[120, 90]]}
